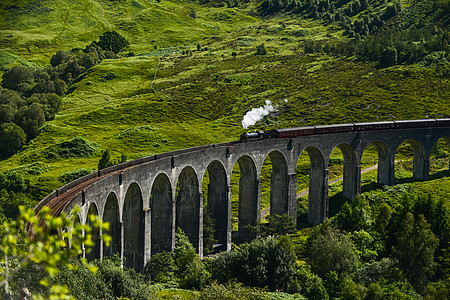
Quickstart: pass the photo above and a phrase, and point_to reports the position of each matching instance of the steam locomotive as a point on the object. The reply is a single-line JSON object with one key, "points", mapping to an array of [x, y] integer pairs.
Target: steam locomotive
{"points": [[340, 128]]}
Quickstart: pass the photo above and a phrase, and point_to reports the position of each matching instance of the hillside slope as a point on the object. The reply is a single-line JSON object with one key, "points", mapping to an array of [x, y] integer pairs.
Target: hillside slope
{"points": [[189, 81]]}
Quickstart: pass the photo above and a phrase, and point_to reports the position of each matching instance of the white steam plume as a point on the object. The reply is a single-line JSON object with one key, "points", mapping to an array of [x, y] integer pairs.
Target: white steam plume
{"points": [[256, 114]]}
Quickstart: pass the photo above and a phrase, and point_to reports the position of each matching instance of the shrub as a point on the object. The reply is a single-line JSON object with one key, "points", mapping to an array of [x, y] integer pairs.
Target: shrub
{"points": [[261, 49], [75, 174], [12, 138], [112, 41], [262, 263], [331, 250], [30, 119], [19, 78], [77, 147]]}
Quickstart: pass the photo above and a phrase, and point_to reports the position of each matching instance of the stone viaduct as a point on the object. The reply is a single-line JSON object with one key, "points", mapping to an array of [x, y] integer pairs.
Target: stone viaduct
{"points": [[146, 199]]}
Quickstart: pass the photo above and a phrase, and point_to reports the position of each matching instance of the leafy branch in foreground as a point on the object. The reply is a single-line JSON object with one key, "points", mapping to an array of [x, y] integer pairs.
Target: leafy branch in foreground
{"points": [[46, 241]]}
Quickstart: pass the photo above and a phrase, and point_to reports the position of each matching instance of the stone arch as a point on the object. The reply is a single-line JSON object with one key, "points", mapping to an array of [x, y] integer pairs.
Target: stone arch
{"points": [[420, 161], [219, 205], [279, 186], [249, 201], [437, 152], [112, 216], [133, 228], [351, 176], [188, 206], [95, 250], [318, 186], [161, 206], [385, 170]]}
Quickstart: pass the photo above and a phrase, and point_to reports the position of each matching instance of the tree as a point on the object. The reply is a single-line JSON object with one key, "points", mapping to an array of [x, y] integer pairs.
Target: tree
{"points": [[45, 241], [105, 161], [261, 49], [30, 119], [389, 57], [415, 249], [262, 263], [112, 41], [276, 226], [330, 250], [19, 78], [12, 138], [50, 102]]}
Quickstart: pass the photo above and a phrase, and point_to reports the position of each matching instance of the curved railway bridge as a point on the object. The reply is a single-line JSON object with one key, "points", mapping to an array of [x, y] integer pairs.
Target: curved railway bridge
{"points": [[146, 199]]}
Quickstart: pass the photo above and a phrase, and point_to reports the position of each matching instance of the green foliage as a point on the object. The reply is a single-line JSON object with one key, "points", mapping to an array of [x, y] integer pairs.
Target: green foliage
{"points": [[161, 267], [12, 138], [50, 102], [105, 161], [19, 78], [354, 216], [307, 284], [208, 232], [415, 249], [41, 240], [30, 119], [112, 41], [276, 226], [189, 268], [109, 282], [76, 147], [261, 263], [331, 250], [261, 50], [229, 291], [75, 174]]}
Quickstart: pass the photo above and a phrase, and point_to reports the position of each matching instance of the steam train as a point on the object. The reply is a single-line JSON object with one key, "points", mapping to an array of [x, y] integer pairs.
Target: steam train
{"points": [[340, 128]]}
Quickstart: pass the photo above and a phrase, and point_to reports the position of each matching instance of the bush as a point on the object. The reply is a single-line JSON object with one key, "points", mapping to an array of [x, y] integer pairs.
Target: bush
{"points": [[261, 49], [77, 147], [262, 263], [30, 119], [112, 41], [331, 250], [12, 138], [19, 78], [75, 174]]}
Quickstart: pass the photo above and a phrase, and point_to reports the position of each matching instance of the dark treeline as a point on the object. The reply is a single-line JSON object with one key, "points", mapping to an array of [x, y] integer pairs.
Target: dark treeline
{"points": [[380, 31], [29, 96]]}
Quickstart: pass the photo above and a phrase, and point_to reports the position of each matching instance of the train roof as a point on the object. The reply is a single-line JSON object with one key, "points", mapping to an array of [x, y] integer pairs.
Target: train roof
{"points": [[415, 121], [334, 125], [295, 128], [375, 123]]}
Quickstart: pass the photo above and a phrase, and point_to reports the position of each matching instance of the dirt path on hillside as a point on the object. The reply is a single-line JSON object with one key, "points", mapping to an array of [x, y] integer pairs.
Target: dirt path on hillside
{"points": [[266, 211]]}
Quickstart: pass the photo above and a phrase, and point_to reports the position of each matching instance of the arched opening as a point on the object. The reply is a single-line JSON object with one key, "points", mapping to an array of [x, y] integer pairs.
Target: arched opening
{"points": [[95, 250], [410, 161], [161, 206], [376, 166], [247, 205], [111, 215], [343, 177], [217, 209], [439, 158], [133, 229], [311, 181], [188, 204]]}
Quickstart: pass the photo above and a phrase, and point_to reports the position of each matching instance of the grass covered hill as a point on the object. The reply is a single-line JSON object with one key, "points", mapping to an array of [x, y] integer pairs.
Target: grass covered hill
{"points": [[191, 70]]}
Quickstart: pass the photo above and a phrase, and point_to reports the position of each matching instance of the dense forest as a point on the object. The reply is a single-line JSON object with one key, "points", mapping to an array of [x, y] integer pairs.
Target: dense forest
{"points": [[88, 84]]}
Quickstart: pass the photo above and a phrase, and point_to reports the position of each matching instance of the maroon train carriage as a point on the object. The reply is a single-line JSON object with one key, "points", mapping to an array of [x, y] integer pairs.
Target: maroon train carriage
{"points": [[415, 123], [322, 129], [442, 122], [297, 131], [369, 126]]}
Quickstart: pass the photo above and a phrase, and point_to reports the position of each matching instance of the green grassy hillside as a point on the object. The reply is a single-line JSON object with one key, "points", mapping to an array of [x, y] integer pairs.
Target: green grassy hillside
{"points": [[189, 81]]}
